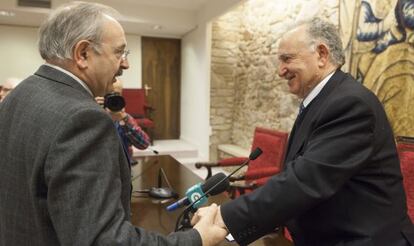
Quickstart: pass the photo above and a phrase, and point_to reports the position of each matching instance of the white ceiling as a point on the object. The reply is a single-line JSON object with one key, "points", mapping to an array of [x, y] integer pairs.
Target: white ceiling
{"points": [[174, 18]]}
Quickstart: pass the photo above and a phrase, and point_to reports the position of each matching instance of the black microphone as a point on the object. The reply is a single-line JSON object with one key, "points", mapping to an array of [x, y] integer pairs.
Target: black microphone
{"points": [[255, 153], [224, 179], [253, 156], [160, 192], [198, 191]]}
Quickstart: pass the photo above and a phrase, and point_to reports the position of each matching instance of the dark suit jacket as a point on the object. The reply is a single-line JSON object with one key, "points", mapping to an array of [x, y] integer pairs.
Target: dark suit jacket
{"points": [[342, 183], [64, 178]]}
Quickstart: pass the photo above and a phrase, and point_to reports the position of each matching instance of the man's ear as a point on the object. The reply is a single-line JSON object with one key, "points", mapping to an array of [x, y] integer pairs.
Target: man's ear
{"points": [[80, 53], [323, 52]]}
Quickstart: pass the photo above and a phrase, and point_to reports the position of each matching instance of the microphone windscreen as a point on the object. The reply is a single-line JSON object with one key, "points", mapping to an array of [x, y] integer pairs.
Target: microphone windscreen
{"points": [[256, 153], [213, 181]]}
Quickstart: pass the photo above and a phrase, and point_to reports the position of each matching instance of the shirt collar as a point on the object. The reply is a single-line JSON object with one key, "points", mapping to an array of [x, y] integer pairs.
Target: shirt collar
{"points": [[83, 84], [315, 91]]}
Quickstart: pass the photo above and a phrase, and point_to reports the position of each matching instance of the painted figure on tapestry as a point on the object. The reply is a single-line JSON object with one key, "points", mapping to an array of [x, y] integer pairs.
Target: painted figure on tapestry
{"points": [[381, 54]]}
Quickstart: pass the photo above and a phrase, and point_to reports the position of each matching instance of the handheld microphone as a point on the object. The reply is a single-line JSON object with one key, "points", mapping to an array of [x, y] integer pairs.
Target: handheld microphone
{"points": [[199, 192]]}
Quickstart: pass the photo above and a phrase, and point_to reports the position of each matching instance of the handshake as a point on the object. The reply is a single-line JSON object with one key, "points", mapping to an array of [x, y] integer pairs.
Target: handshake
{"points": [[208, 220], [209, 223]]}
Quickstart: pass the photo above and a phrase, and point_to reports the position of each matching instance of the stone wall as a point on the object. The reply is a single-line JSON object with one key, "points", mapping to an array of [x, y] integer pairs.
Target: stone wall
{"points": [[246, 91], [225, 56]]}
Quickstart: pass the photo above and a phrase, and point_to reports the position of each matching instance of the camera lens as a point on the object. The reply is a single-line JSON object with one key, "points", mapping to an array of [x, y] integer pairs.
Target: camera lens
{"points": [[114, 101]]}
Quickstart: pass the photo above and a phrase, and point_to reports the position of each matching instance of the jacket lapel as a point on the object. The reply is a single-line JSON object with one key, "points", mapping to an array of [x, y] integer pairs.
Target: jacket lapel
{"points": [[302, 127]]}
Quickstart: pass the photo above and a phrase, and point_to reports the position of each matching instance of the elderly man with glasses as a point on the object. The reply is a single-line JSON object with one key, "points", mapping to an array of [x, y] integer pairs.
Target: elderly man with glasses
{"points": [[64, 176]]}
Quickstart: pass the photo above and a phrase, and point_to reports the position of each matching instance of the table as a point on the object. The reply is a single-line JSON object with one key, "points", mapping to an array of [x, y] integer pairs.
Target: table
{"points": [[151, 214]]}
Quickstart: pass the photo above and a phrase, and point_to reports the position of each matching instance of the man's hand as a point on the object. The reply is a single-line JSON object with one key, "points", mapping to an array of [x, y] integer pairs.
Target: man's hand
{"points": [[100, 100], [117, 116], [217, 221], [204, 223]]}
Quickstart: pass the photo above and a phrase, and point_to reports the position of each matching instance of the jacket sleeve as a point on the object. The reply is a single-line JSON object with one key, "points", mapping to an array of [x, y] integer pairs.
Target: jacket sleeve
{"points": [[87, 176], [337, 146]]}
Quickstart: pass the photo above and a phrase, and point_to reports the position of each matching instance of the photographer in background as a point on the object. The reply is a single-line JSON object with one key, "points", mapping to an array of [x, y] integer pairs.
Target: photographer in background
{"points": [[128, 130], [8, 86]]}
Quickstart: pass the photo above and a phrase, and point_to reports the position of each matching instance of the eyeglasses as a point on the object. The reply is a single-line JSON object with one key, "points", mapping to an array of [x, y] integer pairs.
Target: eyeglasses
{"points": [[119, 52], [125, 54]]}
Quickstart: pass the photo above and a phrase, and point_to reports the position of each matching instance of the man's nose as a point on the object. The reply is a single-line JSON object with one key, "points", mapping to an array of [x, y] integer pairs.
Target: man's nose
{"points": [[125, 64], [282, 70]]}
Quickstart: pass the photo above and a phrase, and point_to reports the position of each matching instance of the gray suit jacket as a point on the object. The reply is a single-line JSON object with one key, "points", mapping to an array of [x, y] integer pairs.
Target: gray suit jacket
{"points": [[64, 177]]}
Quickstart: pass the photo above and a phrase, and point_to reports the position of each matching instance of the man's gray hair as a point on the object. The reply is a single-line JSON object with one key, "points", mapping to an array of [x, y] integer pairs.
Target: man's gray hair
{"points": [[69, 24], [324, 31]]}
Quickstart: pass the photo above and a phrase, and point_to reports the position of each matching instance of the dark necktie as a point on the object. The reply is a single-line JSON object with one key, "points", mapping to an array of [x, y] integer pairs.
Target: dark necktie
{"points": [[297, 123]]}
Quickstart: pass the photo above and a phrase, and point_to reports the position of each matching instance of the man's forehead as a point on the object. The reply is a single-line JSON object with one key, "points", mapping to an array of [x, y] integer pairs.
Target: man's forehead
{"points": [[292, 41], [114, 32], [285, 46]]}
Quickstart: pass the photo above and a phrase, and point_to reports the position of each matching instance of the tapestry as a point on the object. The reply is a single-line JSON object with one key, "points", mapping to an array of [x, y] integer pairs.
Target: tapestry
{"points": [[378, 39]]}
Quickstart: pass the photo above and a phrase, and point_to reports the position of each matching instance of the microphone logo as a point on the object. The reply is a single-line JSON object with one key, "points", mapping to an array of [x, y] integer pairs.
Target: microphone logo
{"points": [[195, 196], [198, 193], [194, 193]]}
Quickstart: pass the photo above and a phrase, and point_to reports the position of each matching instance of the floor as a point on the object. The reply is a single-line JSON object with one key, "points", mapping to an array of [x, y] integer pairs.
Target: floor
{"points": [[182, 151]]}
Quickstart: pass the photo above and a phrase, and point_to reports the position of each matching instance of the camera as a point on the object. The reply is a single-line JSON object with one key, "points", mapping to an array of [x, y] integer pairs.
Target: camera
{"points": [[114, 101]]}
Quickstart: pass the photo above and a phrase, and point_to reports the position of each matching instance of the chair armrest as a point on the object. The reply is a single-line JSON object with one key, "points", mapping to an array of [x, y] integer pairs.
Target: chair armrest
{"points": [[233, 161], [207, 165], [241, 187], [237, 178]]}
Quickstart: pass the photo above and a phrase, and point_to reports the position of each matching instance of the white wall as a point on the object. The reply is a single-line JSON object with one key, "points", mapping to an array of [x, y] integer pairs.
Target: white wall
{"points": [[195, 88], [19, 53], [21, 58], [132, 76]]}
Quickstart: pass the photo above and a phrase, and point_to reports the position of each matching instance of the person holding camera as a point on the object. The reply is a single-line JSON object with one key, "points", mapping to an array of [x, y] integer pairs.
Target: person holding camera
{"points": [[128, 130]]}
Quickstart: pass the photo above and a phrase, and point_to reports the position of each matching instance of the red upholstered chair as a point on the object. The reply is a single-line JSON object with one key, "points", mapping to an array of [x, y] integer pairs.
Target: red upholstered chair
{"points": [[405, 147], [273, 144], [138, 108]]}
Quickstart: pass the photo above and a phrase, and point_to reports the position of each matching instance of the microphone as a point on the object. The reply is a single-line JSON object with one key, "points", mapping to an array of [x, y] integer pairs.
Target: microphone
{"points": [[213, 186], [199, 192], [222, 179], [253, 156], [255, 153], [160, 192]]}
